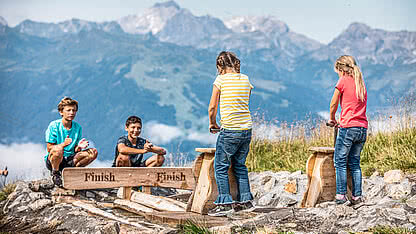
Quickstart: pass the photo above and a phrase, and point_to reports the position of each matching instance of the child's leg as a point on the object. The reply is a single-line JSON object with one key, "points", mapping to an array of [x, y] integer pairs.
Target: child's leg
{"points": [[222, 162], [238, 162], [342, 149], [123, 160], [84, 158], [155, 161], [55, 156], [354, 162]]}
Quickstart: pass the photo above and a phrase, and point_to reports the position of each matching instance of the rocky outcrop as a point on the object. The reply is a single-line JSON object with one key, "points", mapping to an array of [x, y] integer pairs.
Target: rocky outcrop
{"points": [[38, 207]]}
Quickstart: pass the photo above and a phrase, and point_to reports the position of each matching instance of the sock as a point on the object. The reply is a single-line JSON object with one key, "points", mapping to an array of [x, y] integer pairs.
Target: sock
{"points": [[356, 198], [340, 196]]}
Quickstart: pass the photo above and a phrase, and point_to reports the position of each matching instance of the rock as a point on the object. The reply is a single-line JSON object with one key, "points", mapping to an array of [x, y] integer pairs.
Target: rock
{"points": [[291, 186], [412, 218], [40, 204], [398, 191], [393, 176]]}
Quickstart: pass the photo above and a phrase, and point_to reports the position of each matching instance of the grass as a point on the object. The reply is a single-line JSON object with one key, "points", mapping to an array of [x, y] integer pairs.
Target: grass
{"points": [[390, 230], [6, 190], [393, 147]]}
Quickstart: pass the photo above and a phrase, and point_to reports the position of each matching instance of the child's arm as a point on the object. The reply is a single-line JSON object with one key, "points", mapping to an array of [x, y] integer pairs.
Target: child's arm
{"points": [[122, 148], [213, 108], [334, 106], [157, 150]]}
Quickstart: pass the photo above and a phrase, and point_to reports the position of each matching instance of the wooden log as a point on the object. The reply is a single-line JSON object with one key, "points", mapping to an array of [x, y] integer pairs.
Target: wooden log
{"points": [[94, 210], [92, 178], [157, 202], [132, 206], [174, 218]]}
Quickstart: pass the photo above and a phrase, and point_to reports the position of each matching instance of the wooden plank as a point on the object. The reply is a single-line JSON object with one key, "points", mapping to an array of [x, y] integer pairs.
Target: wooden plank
{"points": [[205, 150], [132, 206], [322, 149], [94, 210], [328, 194], [174, 218], [157, 202], [113, 177]]}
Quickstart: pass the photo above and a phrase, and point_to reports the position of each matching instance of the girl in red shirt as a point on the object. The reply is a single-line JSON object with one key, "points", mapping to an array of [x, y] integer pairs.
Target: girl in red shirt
{"points": [[351, 93]]}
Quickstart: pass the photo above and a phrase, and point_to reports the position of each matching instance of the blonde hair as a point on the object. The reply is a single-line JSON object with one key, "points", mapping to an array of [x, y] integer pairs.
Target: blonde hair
{"points": [[67, 101], [346, 64]]}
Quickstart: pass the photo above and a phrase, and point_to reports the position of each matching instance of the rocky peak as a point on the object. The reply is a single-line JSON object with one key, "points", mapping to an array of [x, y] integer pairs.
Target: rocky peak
{"points": [[167, 4], [152, 20], [266, 24]]}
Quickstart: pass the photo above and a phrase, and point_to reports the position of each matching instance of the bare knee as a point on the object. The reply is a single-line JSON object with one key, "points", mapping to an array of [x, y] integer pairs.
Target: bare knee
{"points": [[160, 160], [123, 160], [56, 153]]}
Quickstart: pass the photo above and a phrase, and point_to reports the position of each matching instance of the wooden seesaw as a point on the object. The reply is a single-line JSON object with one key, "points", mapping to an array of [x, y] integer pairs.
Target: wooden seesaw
{"points": [[199, 178]]}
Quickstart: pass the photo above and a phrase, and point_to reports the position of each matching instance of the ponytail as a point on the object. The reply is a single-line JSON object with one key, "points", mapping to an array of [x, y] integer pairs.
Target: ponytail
{"points": [[359, 83]]}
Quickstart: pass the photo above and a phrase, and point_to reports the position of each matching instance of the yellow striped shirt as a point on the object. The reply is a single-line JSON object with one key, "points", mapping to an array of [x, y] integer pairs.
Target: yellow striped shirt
{"points": [[234, 100]]}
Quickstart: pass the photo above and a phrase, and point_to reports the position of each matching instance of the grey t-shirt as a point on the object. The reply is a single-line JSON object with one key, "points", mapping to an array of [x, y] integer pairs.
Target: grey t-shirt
{"points": [[135, 159]]}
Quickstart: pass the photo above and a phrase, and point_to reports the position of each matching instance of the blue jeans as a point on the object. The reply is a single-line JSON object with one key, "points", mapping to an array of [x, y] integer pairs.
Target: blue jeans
{"points": [[232, 149], [349, 143]]}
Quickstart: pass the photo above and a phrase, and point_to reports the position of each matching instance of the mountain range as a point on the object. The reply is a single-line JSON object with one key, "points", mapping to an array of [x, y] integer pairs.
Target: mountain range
{"points": [[160, 65]]}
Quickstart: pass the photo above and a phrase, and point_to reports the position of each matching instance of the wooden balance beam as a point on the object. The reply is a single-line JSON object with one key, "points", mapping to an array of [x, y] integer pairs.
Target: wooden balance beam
{"points": [[199, 178], [321, 177]]}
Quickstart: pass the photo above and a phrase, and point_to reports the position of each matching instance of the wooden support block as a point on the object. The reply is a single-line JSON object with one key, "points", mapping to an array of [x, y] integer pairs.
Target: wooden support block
{"points": [[132, 206], [147, 189], [315, 187], [196, 170], [126, 193], [206, 190]]}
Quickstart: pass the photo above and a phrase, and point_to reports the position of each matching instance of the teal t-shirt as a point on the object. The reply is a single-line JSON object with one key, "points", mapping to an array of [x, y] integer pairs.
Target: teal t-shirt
{"points": [[56, 134]]}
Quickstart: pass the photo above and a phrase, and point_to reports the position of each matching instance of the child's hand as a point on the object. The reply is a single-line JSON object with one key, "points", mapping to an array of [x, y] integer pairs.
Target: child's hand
{"points": [[332, 122], [67, 141], [148, 146], [214, 128], [83, 143]]}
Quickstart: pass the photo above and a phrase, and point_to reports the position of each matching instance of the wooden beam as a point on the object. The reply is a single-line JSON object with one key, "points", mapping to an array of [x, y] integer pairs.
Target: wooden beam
{"points": [[94, 210], [113, 177], [132, 206], [157, 202]]}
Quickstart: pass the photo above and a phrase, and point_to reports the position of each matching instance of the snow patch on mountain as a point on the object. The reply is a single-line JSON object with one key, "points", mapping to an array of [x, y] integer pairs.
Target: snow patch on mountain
{"points": [[152, 20]]}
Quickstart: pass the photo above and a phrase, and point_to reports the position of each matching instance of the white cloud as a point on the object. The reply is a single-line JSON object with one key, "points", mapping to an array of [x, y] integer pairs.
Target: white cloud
{"points": [[24, 161], [160, 133], [206, 138]]}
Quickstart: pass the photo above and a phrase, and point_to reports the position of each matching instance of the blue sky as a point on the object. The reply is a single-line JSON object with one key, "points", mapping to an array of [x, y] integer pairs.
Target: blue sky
{"points": [[321, 20]]}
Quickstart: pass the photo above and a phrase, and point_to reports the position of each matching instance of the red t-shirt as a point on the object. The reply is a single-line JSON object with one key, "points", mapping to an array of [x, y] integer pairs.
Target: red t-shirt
{"points": [[352, 109]]}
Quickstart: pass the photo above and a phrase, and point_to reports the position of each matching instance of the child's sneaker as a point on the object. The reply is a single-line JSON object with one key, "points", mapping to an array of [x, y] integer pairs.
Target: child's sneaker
{"points": [[356, 201], [246, 206], [221, 210], [56, 178]]}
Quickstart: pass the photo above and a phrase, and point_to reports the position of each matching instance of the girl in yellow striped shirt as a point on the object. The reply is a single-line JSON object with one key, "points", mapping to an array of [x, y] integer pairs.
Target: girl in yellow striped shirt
{"points": [[231, 91]]}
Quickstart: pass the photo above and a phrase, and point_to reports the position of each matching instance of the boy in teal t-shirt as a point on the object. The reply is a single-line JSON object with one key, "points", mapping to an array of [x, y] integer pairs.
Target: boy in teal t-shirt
{"points": [[65, 146]]}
